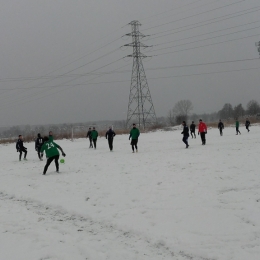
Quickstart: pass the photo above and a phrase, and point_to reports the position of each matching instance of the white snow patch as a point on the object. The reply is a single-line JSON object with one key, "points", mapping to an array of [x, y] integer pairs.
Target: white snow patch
{"points": [[164, 202]]}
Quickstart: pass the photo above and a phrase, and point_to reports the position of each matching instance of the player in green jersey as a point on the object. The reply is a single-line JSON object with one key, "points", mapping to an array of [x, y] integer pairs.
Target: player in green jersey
{"points": [[52, 153]]}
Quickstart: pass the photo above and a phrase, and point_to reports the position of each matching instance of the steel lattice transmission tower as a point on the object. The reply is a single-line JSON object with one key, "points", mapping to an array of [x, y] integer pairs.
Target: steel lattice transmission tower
{"points": [[140, 107]]}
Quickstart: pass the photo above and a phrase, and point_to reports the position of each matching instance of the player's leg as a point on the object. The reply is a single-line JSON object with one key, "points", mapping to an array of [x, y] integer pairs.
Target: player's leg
{"points": [[47, 165], [136, 141], [25, 153], [56, 158]]}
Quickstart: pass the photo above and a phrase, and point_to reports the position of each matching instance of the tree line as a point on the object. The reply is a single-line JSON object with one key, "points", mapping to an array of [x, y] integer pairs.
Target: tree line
{"points": [[182, 112]]}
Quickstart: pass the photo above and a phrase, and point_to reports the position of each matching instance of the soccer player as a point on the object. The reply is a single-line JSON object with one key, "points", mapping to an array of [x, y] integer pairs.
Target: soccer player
{"points": [[20, 148], [110, 134], [192, 129], [185, 133], [237, 127], [220, 127], [52, 153], [94, 136], [247, 124], [38, 145], [89, 137], [202, 131], [134, 134]]}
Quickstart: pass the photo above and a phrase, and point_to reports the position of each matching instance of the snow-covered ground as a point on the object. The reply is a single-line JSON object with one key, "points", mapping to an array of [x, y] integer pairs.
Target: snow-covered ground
{"points": [[164, 202]]}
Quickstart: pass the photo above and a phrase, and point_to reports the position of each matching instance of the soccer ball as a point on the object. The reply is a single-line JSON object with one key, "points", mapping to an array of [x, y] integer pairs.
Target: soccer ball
{"points": [[62, 161]]}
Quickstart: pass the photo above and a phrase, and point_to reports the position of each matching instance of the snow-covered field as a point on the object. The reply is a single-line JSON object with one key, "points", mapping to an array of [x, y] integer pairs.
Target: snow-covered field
{"points": [[164, 202]]}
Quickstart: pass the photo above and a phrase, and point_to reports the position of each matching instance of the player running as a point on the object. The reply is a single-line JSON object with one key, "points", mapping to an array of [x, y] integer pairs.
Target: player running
{"points": [[247, 124], [52, 153], [202, 131], [94, 136], [110, 134], [20, 148], [89, 137], [237, 127], [134, 134], [38, 145], [220, 127], [192, 129], [185, 133]]}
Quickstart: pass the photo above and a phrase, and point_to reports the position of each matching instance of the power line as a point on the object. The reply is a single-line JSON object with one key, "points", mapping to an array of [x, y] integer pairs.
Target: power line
{"points": [[176, 76], [181, 19], [78, 68], [58, 90], [42, 77], [206, 45], [188, 65], [152, 78], [174, 9], [77, 75], [84, 47], [83, 56], [38, 78], [202, 64], [203, 34], [211, 21], [31, 96], [214, 37]]}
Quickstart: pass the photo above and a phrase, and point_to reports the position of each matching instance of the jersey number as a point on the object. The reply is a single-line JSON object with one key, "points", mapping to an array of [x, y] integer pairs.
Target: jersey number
{"points": [[50, 146]]}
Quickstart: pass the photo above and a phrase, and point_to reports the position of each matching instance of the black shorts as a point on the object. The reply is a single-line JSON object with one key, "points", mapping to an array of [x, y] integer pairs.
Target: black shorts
{"points": [[134, 141]]}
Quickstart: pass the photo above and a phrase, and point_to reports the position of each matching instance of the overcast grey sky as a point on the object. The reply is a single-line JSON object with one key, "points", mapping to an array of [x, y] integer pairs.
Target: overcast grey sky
{"points": [[55, 57]]}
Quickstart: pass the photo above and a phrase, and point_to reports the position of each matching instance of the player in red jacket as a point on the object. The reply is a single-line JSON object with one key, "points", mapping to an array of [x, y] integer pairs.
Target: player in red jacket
{"points": [[202, 131]]}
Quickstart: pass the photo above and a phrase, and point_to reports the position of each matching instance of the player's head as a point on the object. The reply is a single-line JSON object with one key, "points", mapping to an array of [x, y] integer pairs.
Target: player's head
{"points": [[134, 125], [50, 133], [200, 120], [20, 137], [192, 122], [39, 135], [45, 138], [94, 128], [183, 123], [89, 128], [219, 120], [110, 127]]}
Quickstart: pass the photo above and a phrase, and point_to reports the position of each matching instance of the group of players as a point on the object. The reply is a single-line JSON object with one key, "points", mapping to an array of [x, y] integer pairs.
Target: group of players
{"points": [[110, 134], [202, 130], [47, 145], [42, 144]]}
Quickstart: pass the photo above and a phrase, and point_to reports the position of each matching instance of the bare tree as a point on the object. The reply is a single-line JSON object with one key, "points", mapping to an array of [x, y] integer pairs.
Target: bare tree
{"points": [[181, 110], [183, 107], [226, 112], [253, 107], [238, 111]]}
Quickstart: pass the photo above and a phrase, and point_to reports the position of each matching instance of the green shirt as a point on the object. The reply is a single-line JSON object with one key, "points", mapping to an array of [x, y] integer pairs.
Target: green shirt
{"points": [[50, 149], [94, 134], [237, 123], [134, 133]]}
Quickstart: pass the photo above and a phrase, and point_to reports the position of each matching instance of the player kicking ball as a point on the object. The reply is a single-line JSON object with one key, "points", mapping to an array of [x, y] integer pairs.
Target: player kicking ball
{"points": [[52, 153]]}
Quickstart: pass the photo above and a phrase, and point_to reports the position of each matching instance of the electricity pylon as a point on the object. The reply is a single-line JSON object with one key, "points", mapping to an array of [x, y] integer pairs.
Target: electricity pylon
{"points": [[140, 107]]}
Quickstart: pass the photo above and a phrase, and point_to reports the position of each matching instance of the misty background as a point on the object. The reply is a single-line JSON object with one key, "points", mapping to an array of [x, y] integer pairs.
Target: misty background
{"points": [[63, 61]]}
